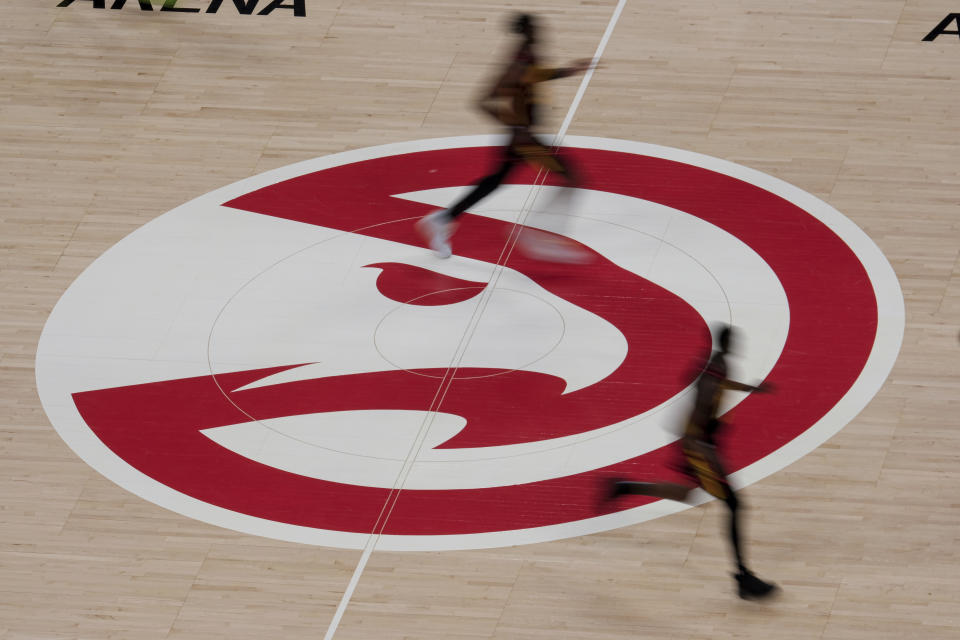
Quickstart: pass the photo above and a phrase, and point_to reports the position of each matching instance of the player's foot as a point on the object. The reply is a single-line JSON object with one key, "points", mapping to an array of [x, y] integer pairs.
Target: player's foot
{"points": [[551, 248], [750, 586], [436, 228]]}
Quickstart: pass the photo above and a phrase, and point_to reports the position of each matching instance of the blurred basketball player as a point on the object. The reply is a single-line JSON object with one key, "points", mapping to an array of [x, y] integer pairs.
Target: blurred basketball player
{"points": [[701, 462], [513, 101]]}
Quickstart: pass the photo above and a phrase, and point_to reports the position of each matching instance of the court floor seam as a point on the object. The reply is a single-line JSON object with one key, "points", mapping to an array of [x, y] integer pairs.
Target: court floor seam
{"points": [[445, 383]]}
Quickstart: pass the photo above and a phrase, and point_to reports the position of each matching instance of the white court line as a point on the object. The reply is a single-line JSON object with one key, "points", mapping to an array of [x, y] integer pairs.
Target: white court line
{"points": [[561, 133], [348, 592]]}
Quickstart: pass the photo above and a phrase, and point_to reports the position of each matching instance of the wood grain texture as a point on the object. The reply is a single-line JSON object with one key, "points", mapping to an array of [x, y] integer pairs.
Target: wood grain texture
{"points": [[110, 118]]}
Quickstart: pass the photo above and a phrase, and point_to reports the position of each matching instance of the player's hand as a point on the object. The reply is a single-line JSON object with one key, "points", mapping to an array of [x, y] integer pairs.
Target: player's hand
{"points": [[585, 64]]}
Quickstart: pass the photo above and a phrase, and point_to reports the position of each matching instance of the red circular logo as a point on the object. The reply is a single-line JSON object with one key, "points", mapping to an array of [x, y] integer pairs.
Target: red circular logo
{"points": [[284, 357]]}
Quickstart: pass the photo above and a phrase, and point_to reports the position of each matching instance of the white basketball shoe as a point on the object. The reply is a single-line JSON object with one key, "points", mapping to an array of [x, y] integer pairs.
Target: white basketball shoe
{"points": [[436, 228]]}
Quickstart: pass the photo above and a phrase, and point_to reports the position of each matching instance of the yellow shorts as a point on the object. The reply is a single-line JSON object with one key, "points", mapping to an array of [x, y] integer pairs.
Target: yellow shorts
{"points": [[540, 156], [707, 472]]}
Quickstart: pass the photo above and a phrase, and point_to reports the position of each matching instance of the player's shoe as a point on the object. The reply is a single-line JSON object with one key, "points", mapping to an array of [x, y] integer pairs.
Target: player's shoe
{"points": [[549, 247], [436, 229], [750, 586]]}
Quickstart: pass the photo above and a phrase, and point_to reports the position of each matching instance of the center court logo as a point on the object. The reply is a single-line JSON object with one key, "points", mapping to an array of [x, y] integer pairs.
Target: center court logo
{"points": [[283, 357]]}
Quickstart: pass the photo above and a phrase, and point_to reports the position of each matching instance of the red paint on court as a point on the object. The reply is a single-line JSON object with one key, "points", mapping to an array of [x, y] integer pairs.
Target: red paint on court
{"points": [[156, 427]]}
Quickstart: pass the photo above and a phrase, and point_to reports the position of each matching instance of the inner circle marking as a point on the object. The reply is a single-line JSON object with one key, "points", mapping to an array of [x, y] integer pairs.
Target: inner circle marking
{"points": [[401, 308]]}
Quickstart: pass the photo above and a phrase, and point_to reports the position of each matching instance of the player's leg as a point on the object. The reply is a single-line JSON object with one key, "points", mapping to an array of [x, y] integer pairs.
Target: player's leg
{"points": [[733, 504], [705, 465], [439, 225], [546, 237], [748, 584], [485, 187], [667, 490], [703, 460], [714, 481]]}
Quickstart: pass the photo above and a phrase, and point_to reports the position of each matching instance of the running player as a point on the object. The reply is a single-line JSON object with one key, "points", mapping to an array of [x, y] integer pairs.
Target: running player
{"points": [[512, 101], [701, 463]]}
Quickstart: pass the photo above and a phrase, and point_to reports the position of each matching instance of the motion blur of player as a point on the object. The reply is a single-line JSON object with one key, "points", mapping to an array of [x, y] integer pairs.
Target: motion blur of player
{"points": [[702, 464], [513, 101]]}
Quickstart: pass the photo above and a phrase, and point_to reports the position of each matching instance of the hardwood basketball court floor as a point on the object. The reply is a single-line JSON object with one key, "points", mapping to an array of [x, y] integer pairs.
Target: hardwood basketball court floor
{"points": [[195, 122]]}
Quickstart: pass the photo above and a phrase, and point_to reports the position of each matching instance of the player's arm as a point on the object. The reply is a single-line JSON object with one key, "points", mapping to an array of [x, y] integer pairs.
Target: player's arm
{"points": [[539, 74], [498, 99]]}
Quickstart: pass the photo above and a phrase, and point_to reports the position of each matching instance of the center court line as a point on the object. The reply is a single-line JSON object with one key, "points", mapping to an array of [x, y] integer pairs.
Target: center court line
{"points": [[381, 524]]}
